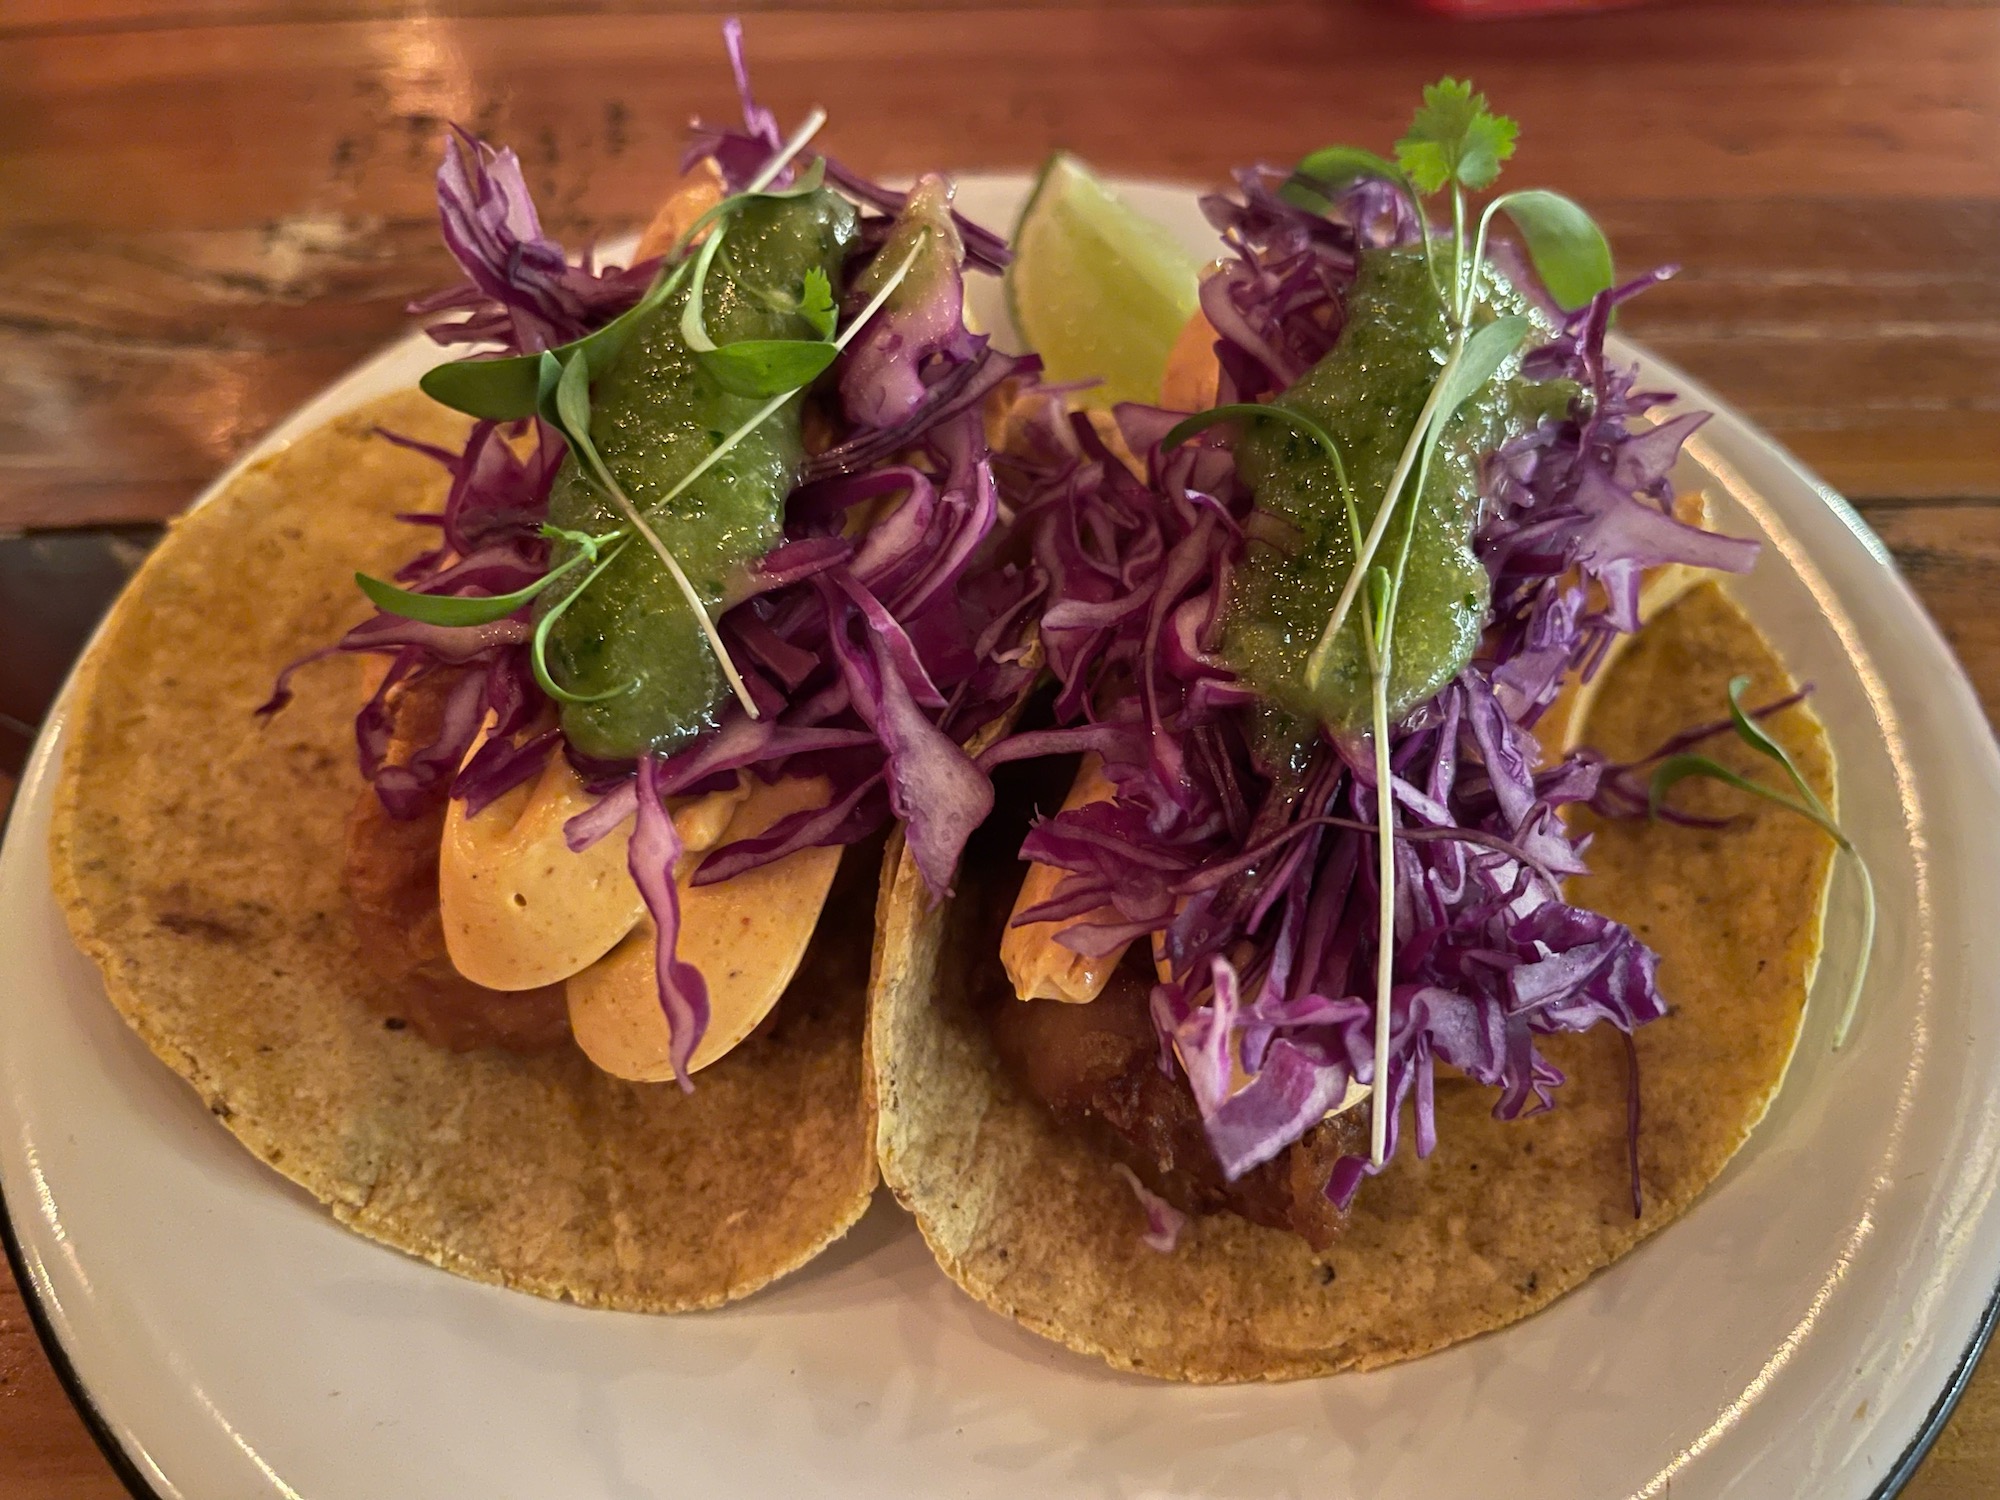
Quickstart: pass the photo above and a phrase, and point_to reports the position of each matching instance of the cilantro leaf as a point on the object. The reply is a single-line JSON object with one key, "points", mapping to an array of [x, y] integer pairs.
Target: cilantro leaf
{"points": [[816, 302], [1454, 138]]}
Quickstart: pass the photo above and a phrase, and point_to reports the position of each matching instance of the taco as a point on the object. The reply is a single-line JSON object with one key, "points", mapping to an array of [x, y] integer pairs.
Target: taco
{"points": [[567, 991], [1171, 1097]]}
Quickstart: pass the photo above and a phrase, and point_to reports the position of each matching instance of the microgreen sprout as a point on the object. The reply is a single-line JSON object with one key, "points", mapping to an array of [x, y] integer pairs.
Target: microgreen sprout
{"points": [[478, 609], [762, 367], [505, 390], [1807, 804], [1455, 142], [1568, 250], [1250, 411], [538, 652], [454, 609], [1454, 139]]}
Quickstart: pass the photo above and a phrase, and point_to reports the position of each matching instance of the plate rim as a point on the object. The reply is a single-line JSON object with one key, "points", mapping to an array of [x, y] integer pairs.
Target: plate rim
{"points": [[32, 1286], [129, 1474]]}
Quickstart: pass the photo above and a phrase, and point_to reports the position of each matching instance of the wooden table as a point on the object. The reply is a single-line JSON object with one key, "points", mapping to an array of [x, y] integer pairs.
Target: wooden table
{"points": [[209, 208]]}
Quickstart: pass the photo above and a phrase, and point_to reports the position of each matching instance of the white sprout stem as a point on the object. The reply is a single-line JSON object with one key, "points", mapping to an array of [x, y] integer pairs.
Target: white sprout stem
{"points": [[860, 319], [1379, 1104], [1378, 641], [1379, 1099], [1380, 645], [1853, 1005], [791, 148], [1378, 528], [728, 444], [1385, 642], [1381, 652], [1424, 235], [1479, 256], [694, 331], [1385, 946], [708, 627], [1458, 273]]}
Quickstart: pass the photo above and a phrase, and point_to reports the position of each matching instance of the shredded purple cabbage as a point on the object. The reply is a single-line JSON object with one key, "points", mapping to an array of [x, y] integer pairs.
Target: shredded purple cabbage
{"points": [[1278, 302], [922, 326], [739, 153], [1253, 865], [874, 651], [652, 855], [490, 543], [521, 290], [1578, 510], [1164, 1222]]}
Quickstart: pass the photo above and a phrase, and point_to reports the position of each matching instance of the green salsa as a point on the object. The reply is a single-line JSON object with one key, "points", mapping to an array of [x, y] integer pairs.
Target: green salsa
{"points": [[655, 414], [1367, 393]]}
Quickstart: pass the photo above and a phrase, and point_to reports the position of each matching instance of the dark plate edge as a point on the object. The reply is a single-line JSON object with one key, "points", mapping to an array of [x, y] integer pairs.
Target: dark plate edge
{"points": [[1942, 1408], [128, 1472], [140, 1487]]}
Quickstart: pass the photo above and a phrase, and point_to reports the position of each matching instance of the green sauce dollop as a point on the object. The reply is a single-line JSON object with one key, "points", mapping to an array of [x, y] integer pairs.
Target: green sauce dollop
{"points": [[655, 414], [1367, 393]]}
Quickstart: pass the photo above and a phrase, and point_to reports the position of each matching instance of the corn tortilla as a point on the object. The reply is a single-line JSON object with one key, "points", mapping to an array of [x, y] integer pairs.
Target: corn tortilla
{"points": [[197, 853], [1506, 1215]]}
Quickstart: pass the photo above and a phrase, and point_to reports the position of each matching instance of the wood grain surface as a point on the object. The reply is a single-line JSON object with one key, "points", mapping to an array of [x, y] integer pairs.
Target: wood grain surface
{"points": [[210, 208]]}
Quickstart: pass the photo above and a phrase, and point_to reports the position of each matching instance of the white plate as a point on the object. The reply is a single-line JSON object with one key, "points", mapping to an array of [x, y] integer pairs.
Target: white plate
{"points": [[1801, 1332]]}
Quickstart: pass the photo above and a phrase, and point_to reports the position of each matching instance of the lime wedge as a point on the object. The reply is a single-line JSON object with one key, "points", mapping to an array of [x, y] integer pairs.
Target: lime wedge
{"points": [[1096, 289]]}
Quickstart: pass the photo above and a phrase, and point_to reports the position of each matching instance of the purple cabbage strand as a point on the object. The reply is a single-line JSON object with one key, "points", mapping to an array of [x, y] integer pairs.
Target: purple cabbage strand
{"points": [[521, 291]]}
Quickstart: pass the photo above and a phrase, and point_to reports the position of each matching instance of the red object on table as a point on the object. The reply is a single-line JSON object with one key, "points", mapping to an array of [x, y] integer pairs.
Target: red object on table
{"points": [[1499, 10]]}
